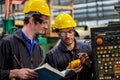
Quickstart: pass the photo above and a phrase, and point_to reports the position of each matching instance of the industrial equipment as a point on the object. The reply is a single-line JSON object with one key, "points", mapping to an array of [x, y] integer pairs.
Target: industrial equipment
{"points": [[106, 52], [9, 22]]}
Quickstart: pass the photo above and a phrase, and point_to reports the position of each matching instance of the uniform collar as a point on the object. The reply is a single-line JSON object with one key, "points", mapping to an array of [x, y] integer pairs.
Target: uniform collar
{"points": [[18, 35], [63, 48]]}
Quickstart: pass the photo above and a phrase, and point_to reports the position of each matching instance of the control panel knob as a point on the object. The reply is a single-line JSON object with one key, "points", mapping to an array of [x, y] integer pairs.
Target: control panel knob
{"points": [[99, 41]]}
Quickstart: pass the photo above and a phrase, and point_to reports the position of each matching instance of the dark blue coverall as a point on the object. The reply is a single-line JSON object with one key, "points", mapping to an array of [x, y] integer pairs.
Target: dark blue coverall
{"points": [[59, 57]]}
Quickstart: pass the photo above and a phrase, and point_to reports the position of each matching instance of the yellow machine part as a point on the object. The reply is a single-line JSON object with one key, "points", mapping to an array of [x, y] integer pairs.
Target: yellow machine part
{"points": [[13, 79], [19, 22], [75, 63]]}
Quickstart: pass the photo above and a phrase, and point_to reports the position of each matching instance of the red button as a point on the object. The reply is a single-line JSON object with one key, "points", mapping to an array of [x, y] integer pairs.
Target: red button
{"points": [[99, 41]]}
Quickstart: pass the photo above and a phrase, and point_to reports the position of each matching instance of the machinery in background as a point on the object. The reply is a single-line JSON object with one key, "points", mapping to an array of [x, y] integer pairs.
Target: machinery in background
{"points": [[106, 52]]}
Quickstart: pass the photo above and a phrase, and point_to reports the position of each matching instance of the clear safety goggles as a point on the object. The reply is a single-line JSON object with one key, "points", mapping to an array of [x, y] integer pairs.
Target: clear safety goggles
{"points": [[64, 33]]}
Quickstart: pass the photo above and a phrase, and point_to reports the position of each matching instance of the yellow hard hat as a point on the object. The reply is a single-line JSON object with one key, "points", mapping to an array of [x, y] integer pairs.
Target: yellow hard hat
{"points": [[64, 20], [37, 6]]}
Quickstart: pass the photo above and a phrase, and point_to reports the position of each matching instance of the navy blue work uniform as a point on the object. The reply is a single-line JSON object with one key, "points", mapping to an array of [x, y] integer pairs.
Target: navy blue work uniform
{"points": [[59, 57], [15, 45]]}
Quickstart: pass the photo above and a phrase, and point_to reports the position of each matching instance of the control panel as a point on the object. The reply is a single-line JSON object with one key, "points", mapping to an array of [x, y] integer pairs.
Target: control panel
{"points": [[106, 52]]}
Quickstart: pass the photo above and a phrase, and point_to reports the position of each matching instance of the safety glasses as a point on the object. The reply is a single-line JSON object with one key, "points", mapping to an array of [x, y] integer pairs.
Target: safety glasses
{"points": [[64, 33], [42, 21]]}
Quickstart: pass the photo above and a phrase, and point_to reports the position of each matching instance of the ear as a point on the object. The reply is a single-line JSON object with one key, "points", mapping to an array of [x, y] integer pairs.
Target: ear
{"points": [[31, 20]]}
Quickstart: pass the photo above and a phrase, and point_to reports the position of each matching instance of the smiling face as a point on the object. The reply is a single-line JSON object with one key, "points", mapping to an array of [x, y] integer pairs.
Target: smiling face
{"points": [[67, 36], [41, 27]]}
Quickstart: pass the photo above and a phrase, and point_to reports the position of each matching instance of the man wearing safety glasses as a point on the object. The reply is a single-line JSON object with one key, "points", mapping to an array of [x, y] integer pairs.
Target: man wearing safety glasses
{"points": [[20, 53], [68, 50]]}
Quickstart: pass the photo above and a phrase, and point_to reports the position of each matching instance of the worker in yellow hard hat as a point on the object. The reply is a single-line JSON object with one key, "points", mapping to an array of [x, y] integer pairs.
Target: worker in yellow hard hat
{"points": [[20, 53], [69, 53], [39, 10]]}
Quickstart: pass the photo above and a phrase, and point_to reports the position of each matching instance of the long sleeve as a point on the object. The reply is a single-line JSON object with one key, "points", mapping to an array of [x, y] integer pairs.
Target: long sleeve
{"points": [[4, 50]]}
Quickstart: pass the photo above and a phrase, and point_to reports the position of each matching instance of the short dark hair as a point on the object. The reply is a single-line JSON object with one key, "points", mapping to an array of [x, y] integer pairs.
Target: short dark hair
{"points": [[35, 15], [76, 34]]}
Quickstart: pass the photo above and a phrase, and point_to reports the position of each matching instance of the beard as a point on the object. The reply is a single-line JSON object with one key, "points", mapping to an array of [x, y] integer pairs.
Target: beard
{"points": [[68, 41]]}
